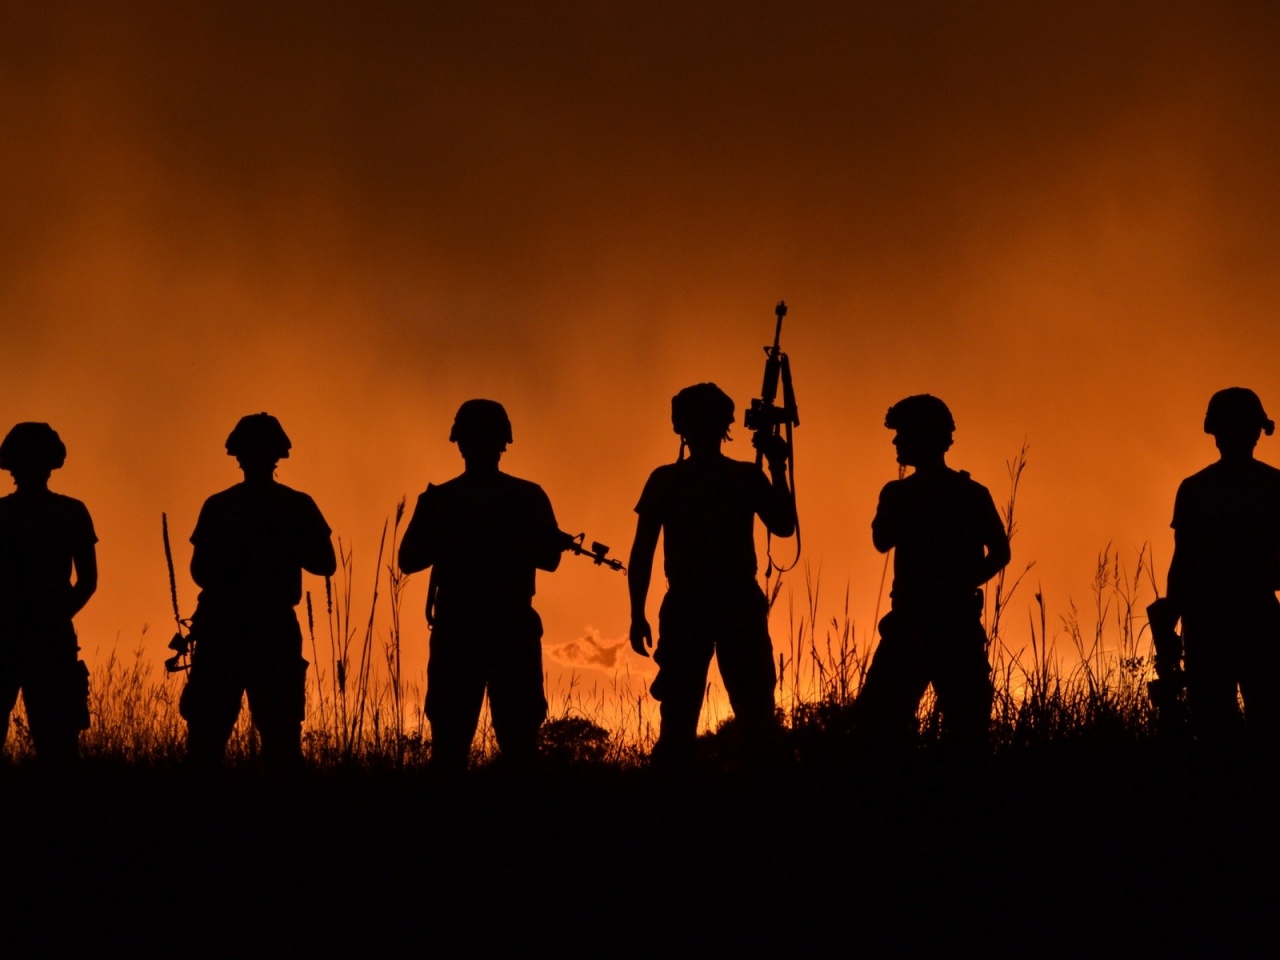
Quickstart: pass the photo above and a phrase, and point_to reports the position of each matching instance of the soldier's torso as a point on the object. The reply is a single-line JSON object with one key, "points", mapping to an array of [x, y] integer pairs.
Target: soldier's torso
{"points": [[941, 523], [1227, 519], [489, 532], [251, 538], [40, 533]]}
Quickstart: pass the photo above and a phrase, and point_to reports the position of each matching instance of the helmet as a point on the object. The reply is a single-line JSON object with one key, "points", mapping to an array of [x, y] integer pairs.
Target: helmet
{"points": [[481, 420], [258, 434], [1236, 408], [923, 413], [703, 406], [33, 445]]}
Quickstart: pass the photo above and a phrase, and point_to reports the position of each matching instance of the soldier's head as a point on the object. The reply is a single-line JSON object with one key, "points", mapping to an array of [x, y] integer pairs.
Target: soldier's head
{"points": [[923, 426], [482, 430], [702, 415], [32, 451], [1236, 420], [258, 442]]}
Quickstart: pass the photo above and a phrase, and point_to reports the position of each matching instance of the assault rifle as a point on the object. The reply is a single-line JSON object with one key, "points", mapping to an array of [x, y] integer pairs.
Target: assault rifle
{"points": [[766, 416], [597, 552]]}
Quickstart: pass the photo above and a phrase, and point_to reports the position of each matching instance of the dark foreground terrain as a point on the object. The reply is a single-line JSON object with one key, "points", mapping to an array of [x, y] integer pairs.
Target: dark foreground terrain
{"points": [[1040, 855]]}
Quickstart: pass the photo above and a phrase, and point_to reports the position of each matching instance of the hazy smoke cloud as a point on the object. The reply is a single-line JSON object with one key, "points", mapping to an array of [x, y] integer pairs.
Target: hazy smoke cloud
{"points": [[1060, 217], [589, 650]]}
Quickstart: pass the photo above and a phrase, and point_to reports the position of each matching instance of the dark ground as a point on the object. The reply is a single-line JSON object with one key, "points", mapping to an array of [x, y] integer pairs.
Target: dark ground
{"points": [[1045, 855]]}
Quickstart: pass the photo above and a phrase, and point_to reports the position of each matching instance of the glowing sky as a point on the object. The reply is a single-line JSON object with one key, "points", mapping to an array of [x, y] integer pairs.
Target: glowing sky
{"points": [[1062, 218]]}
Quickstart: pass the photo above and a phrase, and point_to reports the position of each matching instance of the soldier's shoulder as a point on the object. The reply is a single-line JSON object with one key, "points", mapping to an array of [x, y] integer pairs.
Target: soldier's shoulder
{"points": [[520, 487], [896, 487], [964, 479], [664, 476], [1269, 473], [743, 468], [1207, 478], [289, 493], [224, 498], [69, 505]]}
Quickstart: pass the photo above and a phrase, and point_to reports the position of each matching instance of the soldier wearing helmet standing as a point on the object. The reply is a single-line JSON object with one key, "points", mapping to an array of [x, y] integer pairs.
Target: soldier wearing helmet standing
{"points": [[705, 507], [251, 544], [44, 538], [948, 541], [1224, 575], [484, 534]]}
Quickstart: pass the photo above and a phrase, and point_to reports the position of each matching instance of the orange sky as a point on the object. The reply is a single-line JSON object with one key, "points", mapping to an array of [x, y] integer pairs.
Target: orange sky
{"points": [[1061, 218]]}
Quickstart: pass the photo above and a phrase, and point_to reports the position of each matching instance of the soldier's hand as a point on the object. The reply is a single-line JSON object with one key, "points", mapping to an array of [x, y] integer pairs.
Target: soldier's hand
{"points": [[641, 637], [775, 448]]}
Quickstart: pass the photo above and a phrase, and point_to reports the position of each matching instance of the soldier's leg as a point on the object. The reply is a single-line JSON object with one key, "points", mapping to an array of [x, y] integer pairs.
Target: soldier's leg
{"points": [[885, 710], [1212, 679], [56, 695], [1259, 674], [277, 692], [683, 654], [455, 694], [210, 702], [516, 698], [962, 682], [745, 655]]}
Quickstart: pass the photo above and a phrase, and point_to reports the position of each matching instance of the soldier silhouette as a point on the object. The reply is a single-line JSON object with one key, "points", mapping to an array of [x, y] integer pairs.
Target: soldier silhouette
{"points": [[705, 507], [484, 534], [949, 541], [251, 543], [1224, 575], [44, 536]]}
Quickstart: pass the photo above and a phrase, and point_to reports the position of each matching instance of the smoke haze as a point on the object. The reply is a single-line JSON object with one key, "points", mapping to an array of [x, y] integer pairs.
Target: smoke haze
{"points": [[1061, 218]]}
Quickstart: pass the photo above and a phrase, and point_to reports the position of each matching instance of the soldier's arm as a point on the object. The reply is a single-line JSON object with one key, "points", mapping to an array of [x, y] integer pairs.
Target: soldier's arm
{"points": [[1181, 576], [884, 527], [551, 542], [778, 507], [85, 560], [639, 573], [320, 558], [418, 548], [317, 554], [204, 564], [995, 542]]}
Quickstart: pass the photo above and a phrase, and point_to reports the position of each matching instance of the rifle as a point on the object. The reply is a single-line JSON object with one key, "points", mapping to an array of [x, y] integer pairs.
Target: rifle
{"points": [[181, 644], [598, 551], [764, 415]]}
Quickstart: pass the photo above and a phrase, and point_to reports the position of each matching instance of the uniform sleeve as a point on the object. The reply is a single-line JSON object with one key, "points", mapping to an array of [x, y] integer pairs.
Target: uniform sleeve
{"points": [[549, 542], [546, 517], [84, 533], [885, 524], [653, 498], [1181, 507], [762, 493], [311, 522], [987, 516], [417, 549], [204, 525]]}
